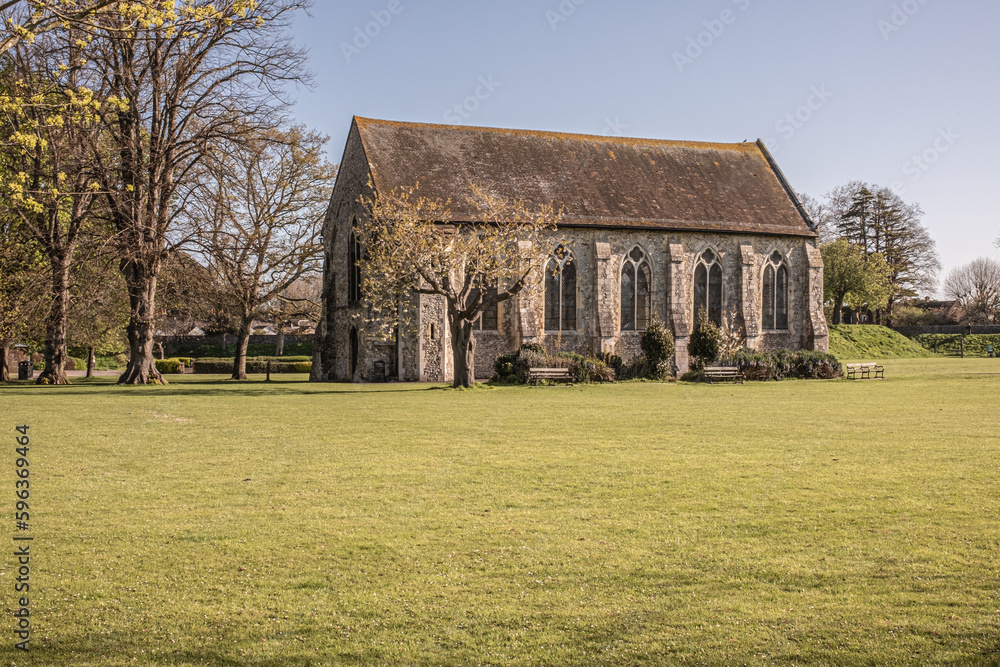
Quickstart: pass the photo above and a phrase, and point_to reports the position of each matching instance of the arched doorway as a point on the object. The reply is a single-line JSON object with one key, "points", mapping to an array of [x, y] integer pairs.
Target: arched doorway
{"points": [[355, 347]]}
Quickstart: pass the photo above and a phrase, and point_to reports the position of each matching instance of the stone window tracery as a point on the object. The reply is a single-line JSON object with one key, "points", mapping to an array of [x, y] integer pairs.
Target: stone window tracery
{"points": [[489, 320], [635, 291], [560, 291], [353, 269], [775, 293], [708, 286]]}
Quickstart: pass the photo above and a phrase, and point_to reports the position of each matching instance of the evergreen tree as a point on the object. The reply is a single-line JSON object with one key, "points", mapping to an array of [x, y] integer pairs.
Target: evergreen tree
{"points": [[877, 221]]}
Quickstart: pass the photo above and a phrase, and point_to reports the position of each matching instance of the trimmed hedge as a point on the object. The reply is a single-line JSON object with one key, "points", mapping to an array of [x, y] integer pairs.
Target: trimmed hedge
{"points": [[255, 365]]}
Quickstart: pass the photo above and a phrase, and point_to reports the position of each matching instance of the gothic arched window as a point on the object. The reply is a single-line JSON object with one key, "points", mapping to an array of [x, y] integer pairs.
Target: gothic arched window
{"points": [[353, 270], [708, 286], [775, 293], [489, 320], [636, 279], [560, 291]]}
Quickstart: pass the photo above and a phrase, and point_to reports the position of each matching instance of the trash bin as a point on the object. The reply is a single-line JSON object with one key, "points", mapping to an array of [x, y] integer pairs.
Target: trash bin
{"points": [[25, 370], [379, 371]]}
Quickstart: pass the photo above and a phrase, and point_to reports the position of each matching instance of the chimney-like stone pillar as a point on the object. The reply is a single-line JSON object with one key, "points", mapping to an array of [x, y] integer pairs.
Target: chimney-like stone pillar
{"points": [[604, 284], [749, 293], [816, 335], [677, 305]]}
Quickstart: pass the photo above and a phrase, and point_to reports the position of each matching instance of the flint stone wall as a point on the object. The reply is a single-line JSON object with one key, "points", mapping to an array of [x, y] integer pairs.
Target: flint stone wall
{"points": [[599, 255]]}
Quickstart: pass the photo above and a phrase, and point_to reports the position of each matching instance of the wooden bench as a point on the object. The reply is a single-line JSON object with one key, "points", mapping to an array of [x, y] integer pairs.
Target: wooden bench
{"points": [[866, 371], [536, 375], [723, 373]]}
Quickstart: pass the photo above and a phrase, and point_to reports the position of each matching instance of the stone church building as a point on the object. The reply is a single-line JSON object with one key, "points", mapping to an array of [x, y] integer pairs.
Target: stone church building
{"points": [[649, 227]]}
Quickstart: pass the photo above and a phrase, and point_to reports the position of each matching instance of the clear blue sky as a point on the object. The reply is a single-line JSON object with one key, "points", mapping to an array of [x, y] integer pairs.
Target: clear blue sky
{"points": [[902, 93]]}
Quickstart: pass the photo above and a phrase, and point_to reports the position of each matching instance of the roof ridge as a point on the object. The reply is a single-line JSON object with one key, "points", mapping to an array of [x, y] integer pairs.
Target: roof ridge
{"points": [[597, 138]]}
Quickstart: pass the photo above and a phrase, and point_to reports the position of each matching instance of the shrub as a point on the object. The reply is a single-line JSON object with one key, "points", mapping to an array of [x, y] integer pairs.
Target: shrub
{"points": [[613, 361], [532, 347], [658, 346], [638, 368], [805, 365], [75, 364], [691, 376], [817, 366], [514, 368], [505, 368], [530, 358], [756, 366], [705, 342], [168, 365]]}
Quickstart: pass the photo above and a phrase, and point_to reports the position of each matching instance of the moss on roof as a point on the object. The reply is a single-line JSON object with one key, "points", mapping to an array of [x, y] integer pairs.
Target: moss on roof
{"points": [[598, 181]]}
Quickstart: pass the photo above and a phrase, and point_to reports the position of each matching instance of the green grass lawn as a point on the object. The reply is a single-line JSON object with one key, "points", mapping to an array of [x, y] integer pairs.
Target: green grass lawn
{"points": [[213, 523]]}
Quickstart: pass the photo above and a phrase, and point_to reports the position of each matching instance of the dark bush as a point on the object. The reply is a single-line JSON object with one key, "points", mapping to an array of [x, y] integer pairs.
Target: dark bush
{"points": [[817, 366], [805, 365], [532, 347], [658, 346], [505, 367], [706, 339], [514, 368], [612, 361]]}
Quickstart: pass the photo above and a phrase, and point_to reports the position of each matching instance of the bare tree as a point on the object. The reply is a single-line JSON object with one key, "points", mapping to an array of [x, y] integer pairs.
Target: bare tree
{"points": [[302, 300], [472, 266], [822, 216], [976, 287], [257, 219], [182, 79]]}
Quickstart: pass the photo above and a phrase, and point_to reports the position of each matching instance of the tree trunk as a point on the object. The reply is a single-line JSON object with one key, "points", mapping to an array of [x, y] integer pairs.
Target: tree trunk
{"points": [[159, 346], [91, 361], [279, 346], [463, 348], [240, 361], [4, 361], [55, 326], [140, 280], [838, 310]]}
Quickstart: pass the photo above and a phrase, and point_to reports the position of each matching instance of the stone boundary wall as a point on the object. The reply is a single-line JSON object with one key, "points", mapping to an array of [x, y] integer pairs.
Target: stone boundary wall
{"points": [[949, 329]]}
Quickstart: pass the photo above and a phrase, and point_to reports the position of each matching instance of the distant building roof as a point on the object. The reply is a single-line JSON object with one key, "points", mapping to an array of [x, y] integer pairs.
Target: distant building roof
{"points": [[599, 181]]}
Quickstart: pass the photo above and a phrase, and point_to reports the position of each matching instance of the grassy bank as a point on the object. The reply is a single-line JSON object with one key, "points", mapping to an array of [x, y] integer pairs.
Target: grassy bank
{"points": [[213, 523], [864, 341]]}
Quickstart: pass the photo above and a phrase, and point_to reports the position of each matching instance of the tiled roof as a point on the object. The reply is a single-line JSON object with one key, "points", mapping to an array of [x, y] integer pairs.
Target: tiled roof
{"points": [[607, 182]]}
